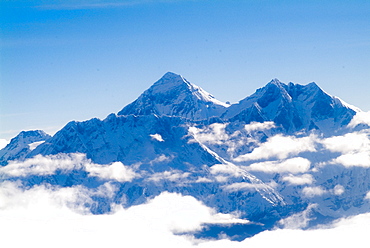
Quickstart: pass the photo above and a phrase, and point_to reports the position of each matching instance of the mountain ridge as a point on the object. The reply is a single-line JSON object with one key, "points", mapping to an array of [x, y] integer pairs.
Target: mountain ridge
{"points": [[176, 137]]}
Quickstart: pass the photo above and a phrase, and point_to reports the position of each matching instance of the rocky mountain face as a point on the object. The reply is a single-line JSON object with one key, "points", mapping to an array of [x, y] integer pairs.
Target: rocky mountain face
{"points": [[270, 156]]}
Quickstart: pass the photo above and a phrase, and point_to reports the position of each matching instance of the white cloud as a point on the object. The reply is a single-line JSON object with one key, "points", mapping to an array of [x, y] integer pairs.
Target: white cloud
{"points": [[350, 142], [354, 148], [299, 180], [244, 186], [42, 216], [299, 220], [33, 145], [48, 165], [293, 165], [361, 159], [168, 175], [213, 134], [367, 196], [157, 137], [228, 168], [360, 118], [258, 126], [311, 192], [3, 143], [115, 171], [161, 158], [281, 147], [338, 190]]}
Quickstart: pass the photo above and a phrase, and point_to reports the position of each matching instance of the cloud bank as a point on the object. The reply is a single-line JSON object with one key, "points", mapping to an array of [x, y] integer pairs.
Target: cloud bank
{"points": [[44, 215]]}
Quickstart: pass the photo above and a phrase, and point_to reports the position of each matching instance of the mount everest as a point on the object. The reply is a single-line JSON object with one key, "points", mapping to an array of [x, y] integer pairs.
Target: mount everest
{"points": [[288, 150]]}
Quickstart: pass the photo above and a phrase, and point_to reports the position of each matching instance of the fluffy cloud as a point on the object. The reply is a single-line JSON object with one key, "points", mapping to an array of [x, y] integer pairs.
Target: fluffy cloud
{"points": [[3, 143], [338, 190], [348, 143], [115, 171], [157, 137], [299, 220], [293, 165], [48, 165], [213, 134], [228, 168], [311, 192], [44, 215], [168, 175], [360, 118], [41, 216], [258, 126], [244, 186], [281, 147], [299, 180]]}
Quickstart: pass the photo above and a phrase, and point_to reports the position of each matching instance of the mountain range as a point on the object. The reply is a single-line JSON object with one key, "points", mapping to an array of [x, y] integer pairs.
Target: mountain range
{"points": [[271, 156]]}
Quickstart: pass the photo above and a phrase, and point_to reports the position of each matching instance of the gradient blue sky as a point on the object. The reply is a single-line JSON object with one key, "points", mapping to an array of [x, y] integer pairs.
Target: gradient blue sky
{"points": [[74, 60]]}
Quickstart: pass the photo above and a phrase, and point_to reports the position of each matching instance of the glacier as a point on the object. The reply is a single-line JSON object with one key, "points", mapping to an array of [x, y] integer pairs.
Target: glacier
{"points": [[285, 150]]}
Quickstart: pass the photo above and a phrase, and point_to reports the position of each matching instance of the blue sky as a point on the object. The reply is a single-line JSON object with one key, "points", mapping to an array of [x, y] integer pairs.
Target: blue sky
{"points": [[74, 60]]}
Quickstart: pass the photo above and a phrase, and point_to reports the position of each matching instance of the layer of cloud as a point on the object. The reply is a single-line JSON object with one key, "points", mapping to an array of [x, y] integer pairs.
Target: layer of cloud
{"points": [[293, 165], [41, 216], [48, 165], [280, 147]]}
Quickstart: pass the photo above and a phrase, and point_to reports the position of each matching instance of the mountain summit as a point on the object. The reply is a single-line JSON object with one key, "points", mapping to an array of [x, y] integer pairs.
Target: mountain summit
{"points": [[173, 95], [293, 107]]}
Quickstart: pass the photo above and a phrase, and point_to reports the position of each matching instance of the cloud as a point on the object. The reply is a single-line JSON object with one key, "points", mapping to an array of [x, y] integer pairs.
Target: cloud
{"points": [[354, 148], [360, 118], [299, 220], [293, 165], [311, 192], [348, 143], [33, 145], [281, 147], [161, 158], [43, 215], [338, 190], [48, 165], [258, 126], [367, 196], [228, 168], [115, 171], [213, 134], [244, 186], [168, 175], [157, 137], [299, 180], [3, 143]]}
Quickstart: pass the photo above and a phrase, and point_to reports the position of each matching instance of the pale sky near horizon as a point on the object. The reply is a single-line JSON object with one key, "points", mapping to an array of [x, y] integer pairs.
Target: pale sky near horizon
{"points": [[74, 60]]}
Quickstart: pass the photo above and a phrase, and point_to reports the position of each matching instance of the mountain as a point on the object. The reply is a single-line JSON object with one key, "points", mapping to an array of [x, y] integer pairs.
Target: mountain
{"points": [[278, 153], [21, 145], [173, 95], [293, 107]]}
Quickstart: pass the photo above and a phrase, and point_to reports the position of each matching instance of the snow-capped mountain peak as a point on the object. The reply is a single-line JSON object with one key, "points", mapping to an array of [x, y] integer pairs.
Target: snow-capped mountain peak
{"points": [[173, 95]]}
